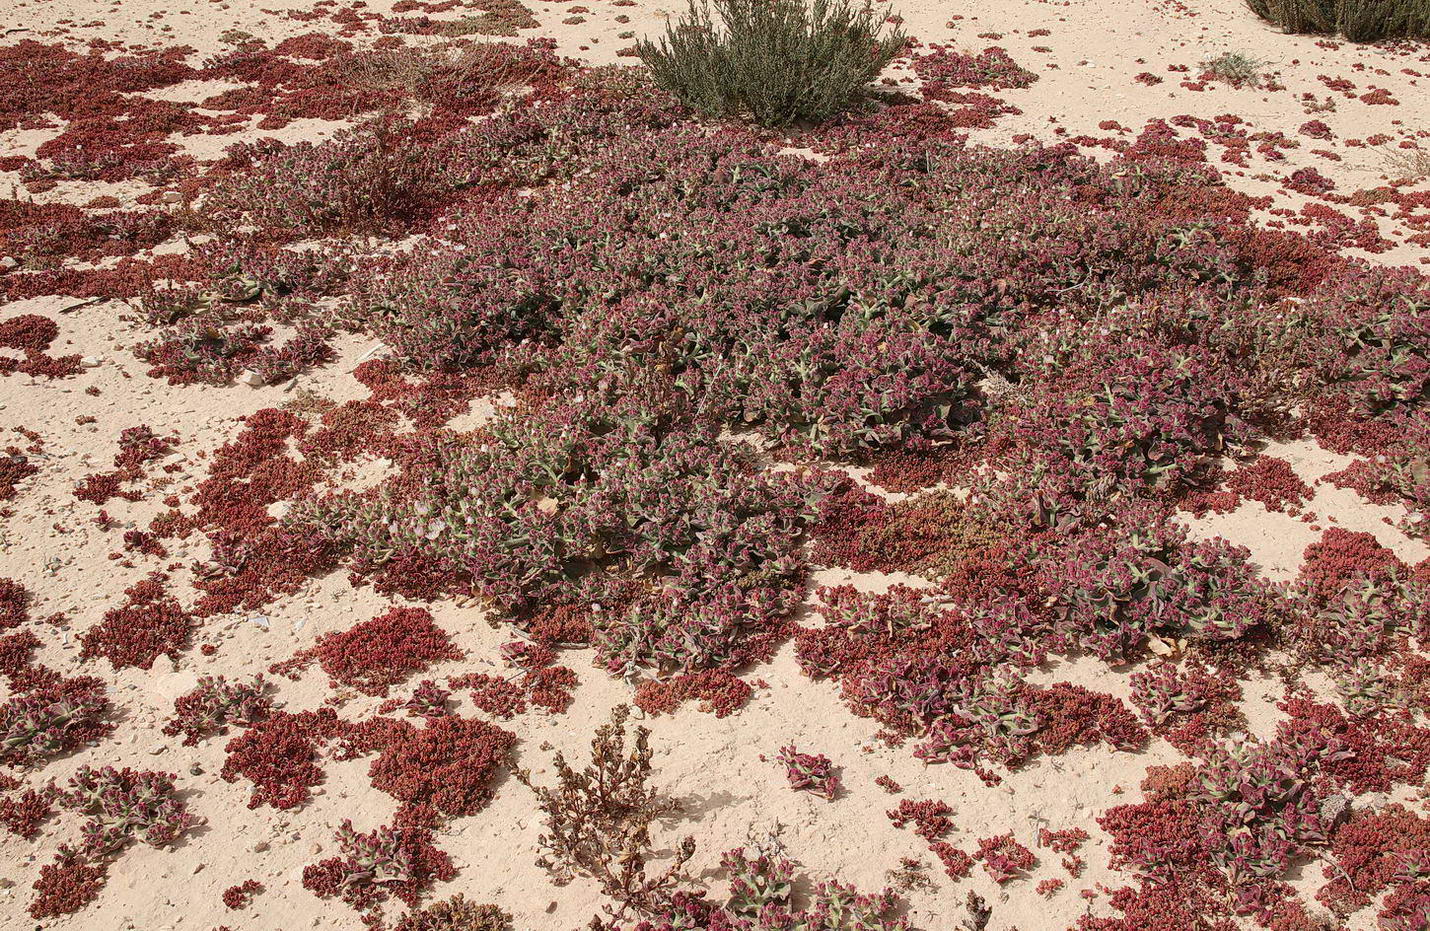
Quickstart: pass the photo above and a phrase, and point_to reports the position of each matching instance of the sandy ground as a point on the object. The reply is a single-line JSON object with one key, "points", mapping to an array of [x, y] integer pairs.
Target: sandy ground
{"points": [[1087, 62]]}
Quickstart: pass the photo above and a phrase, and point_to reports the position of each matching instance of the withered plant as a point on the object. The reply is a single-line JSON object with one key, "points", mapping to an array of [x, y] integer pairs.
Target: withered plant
{"points": [[598, 820]]}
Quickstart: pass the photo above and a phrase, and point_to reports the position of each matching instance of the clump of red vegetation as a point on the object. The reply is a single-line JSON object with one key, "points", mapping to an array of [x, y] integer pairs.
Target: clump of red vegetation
{"points": [[1336, 559], [112, 130], [719, 691], [149, 623], [947, 674], [536, 680], [280, 756], [137, 446], [449, 764], [390, 861], [23, 814], [1003, 858], [930, 817], [50, 715], [1078, 716], [1271, 481], [925, 535], [255, 557], [1188, 705], [15, 467], [1068, 840], [67, 885], [493, 694], [944, 68], [1371, 851], [14, 604], [382, 652], [214, 703], [810, 771], [32, 334], [237, 897]]}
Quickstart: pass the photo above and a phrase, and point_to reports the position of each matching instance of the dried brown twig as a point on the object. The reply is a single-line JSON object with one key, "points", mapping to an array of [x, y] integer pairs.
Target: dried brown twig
{"points": [[598, 820]]}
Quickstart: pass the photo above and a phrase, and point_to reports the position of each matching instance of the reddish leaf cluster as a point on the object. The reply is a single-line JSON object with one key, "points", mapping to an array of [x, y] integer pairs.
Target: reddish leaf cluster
{"points": [[137, 446], [812, 771], [1068, 840], [945, 68], [1078, 716], [374, 655], [1003, 858], [1188, 705], [449, 764], [254, 557], [148, 624], [493, 694], [1271, 481], [930, 817], [67, 885], [280, 756], [926, 535], [950, 675], [719, 691], [23, 815], [14, 604], [237, 897], [32, 335], [215, 703], [400, 861], [52, 715]]}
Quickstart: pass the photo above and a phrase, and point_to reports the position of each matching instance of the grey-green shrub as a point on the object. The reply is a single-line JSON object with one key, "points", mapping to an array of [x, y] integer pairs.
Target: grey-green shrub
{"points": [[1357, 20], [776, 62]]}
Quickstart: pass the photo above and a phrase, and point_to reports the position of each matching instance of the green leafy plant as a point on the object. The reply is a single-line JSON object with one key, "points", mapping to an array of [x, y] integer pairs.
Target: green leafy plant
{"points": [[1357, 20], [1235, 68], [776, 62]]}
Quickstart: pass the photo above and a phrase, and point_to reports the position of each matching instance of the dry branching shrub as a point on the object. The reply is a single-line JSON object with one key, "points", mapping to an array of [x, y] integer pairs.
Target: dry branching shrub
{"points": [[430, 75], [1410, 164], [774, 61], [1235, 68], [456, 914], [598, 820]]}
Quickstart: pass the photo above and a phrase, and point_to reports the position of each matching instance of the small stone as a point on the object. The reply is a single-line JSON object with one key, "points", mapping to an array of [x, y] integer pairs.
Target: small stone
{"points": [[251, 378], [9, 261], [171, 197], [260, 847]]}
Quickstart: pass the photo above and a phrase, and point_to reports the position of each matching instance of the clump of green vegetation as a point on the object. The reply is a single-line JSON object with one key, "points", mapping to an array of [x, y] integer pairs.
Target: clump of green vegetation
{"points": [[496, 18], [1235, 68], [1357, 20], [776, 62]]}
